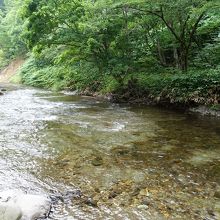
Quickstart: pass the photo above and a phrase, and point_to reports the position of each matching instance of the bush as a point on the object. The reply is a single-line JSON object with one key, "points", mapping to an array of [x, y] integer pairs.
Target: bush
{"points": [[81, 76], [196, 86]]}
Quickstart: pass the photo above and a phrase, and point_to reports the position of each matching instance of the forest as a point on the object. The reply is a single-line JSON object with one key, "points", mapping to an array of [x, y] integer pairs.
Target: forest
{"points": [[165, 51]]}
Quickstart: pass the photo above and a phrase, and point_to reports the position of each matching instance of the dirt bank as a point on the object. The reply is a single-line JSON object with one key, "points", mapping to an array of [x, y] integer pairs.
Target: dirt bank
{"points": [[8, 72]]}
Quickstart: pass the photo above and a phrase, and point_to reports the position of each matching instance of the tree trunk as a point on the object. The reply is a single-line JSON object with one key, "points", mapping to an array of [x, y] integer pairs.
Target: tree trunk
{"points": [[161, 54], [183, 57], [184, 61], [176, 58]]}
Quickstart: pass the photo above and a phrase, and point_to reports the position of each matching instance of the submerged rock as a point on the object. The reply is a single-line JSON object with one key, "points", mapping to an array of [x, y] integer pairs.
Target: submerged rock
{"points": [[120, 150], [98, 161], [91, 202], [142, 207], [217, 194], [217, 209], [15, 205]]}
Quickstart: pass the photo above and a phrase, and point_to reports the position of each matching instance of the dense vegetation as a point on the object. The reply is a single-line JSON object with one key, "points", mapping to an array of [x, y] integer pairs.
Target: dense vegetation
{"points": [[163, 50]]}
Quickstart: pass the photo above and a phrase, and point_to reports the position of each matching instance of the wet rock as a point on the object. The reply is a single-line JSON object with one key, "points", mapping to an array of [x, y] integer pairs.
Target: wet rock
{"points": [[112, 195], [3, 90], [144, 192], [75, 194], [63, 163], [116, 190], [205, 110], [120, 151], [146, 201], [182, 179], [28, 206], [211, 212], [142, 207], [97, 198], [55, 198], [9, 211], [33, 206], [135, 192], [69, 196], [217, 194], [91, 202], [1, 93], [98, 161]]}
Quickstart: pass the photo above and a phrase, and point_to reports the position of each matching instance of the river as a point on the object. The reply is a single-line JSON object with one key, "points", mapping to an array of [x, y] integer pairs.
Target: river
{"points": [[116, 161]]}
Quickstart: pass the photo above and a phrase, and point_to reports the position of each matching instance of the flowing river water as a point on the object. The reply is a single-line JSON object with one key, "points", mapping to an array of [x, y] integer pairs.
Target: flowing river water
{"points": [[109, 161]]}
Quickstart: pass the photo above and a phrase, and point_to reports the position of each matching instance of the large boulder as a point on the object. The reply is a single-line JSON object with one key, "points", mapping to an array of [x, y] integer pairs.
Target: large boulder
{"points": [[9, 211], [15, 205]]}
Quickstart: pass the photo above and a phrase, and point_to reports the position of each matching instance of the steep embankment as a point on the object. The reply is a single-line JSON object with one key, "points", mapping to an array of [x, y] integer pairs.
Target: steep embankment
{"points": [[8, 72]]}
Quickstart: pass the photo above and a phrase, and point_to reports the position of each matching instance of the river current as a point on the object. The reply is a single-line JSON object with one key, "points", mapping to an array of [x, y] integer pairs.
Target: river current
{"points": [[116, 161]]}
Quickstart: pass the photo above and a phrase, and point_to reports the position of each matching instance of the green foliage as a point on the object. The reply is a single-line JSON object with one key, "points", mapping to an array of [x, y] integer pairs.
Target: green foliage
{"points": [[46, 76], [195, 87], [105, 45], [121, 37], [215, 107], [83, 77], [11, 26]]}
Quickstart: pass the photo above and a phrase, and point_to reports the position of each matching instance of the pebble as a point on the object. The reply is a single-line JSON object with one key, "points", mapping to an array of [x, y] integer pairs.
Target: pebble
{"points": [[146, 202], [142, 207], [98, 161], [91, 202]]}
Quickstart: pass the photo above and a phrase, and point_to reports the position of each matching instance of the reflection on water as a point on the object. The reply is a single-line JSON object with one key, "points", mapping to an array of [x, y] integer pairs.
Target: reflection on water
{"points": [[131, 162]]}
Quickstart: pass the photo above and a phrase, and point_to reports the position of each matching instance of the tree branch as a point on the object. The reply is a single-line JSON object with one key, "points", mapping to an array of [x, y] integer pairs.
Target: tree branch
{"points": [[160, 15], [194, 29]]}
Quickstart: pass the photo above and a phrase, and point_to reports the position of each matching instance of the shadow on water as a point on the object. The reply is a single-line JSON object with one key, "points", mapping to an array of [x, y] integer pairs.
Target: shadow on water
{"points": [[129, 162]]}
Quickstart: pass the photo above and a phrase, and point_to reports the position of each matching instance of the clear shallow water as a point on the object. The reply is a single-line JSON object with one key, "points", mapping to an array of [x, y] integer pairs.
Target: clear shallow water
{"points": [[132, 162]]}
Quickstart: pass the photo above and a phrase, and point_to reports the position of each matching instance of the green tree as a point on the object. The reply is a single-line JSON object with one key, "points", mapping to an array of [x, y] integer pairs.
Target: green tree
{"points": [[11, 27], [182, 18]]}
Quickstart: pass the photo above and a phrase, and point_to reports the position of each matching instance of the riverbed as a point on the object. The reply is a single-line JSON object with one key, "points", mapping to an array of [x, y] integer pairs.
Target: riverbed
{"points": [[109, 161]]}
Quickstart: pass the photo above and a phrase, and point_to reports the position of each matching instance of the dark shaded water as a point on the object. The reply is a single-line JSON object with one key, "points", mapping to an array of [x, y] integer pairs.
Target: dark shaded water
{"points": [[129, 162]]}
